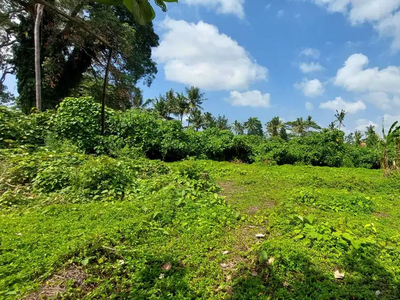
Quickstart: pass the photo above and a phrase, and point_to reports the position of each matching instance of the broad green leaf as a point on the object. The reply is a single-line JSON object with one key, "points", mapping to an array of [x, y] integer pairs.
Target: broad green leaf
{"points": [[141, 10]]}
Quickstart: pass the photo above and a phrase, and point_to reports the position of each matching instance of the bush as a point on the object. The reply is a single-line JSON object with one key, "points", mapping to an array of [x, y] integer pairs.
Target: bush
{"points": [[79, 120]]}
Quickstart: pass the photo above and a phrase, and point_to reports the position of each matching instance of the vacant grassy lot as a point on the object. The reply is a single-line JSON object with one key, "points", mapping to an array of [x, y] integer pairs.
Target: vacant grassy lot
{"points": [[149, 230]]}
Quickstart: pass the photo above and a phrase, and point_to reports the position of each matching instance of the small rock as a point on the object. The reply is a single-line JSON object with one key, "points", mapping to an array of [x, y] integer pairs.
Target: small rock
{"points": [[162, 275], [260, 235], [225, 252], [338, 274], [254, 273], [167, 267]]}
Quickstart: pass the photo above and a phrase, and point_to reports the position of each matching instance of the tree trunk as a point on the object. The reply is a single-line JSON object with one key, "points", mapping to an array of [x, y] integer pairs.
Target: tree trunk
{"points": [[38, 73], [103, 100]]}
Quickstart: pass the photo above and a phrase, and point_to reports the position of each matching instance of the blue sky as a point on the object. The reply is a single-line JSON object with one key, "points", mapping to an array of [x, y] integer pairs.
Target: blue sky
{"points": [[287, 58]]}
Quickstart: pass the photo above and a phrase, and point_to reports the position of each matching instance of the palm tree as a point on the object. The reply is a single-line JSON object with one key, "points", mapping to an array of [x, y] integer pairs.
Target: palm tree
{"points": [[182, 105], [340, 118], [172, 103], [222, 123], [160, 106], [357, 137], [137, 100], [309, 123], [372, 138], [196, 119], [253, 126], [391, 136], [238, 128], [332, 126], [195, 97], [274, 126], [208, 121], [298, 127]]}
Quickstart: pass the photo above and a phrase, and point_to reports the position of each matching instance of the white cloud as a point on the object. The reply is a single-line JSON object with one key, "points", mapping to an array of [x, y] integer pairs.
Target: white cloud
{"points": [[199, 55], [381, 13], [310, 52], [362, 124], [280, 13], [268, 6], [353, 77], [235, 7], [250, 98], [310, 88], [309, 106], [339, 104], [310, 67]]}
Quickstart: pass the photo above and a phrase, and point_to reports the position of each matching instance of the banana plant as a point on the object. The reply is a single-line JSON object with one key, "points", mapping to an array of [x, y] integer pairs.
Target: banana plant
{"points": [[142, 10], [392, 135]]}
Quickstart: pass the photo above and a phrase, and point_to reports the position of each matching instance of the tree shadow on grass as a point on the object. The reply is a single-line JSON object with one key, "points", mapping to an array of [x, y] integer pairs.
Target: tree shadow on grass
{"points": [[296, 277]]}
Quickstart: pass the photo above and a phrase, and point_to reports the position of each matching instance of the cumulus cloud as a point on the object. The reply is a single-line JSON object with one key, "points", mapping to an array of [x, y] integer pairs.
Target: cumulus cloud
{"points": [[383, 14], [280, 13], [309, 106], [310, 67], [235, 7], [339, 104], [310, 52], [354, 77], [310, 88], [199, 55], [250, 98], [378, 86]]}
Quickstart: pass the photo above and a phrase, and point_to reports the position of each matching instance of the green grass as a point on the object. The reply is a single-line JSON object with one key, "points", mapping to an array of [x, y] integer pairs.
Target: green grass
{"points": [[315, 221]]}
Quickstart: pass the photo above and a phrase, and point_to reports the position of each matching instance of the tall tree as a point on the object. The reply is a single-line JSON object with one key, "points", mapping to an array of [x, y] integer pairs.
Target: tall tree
{"points": [[68, 52], [357, 137], [391, 137], [196, 119], [309, 123], [195, 97], [137, 100], [209, 120], [182, 105], [332, 126], [274, 126], [238, 127], [38, 68], [253, 127], [371, 136], [298, 127], [222, 123], [283, 133], [160, 106], [340, 118]]}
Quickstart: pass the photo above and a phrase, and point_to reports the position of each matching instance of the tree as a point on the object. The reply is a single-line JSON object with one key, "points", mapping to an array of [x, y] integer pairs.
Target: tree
{"points": [[172, 103], [238, 127], [69, 52], [196, 119], [298, 127], [371, 136], [160, 106], [274, 126], [283, 134], [137, 101], [309, 123], [195, 97], [182, 106], [349, 139], [253, 127], [208, 121], [340, 118], [222, 123], [332, 126], [357, 137], [392, 137], [38, 68]]}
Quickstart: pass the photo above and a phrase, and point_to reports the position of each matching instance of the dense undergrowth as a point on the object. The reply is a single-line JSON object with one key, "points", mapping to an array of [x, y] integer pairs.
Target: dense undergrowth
{"points": [[77, 120]]}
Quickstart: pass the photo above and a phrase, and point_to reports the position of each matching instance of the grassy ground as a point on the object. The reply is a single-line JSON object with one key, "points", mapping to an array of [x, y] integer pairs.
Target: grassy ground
{"points": [[173, 237]]}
